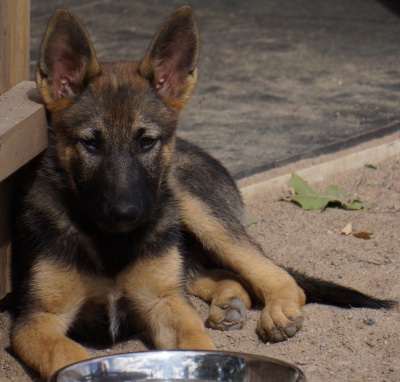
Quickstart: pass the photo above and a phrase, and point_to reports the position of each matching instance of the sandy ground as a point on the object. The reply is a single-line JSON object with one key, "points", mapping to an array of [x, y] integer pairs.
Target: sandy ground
{"points": [[335, 344]]}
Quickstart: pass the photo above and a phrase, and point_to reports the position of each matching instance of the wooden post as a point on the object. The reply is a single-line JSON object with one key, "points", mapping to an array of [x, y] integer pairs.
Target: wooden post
{"points": [[14, 42], [14, 67]]}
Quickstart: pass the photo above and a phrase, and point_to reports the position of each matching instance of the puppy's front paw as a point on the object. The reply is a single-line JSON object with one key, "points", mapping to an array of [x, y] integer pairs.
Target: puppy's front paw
{"points": [[228, 316], [275, 325], [282, 318]]}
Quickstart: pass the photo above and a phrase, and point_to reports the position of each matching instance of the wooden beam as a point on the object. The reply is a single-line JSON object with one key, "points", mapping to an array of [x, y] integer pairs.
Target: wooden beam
{"points": [[23, 135], [23, 127], [14, 67]]}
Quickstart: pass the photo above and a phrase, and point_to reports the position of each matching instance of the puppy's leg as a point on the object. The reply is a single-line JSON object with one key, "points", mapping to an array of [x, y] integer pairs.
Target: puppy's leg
{"points": [[229, 301], [228, 240], [38, 335], [39, 341], [155, 288]]}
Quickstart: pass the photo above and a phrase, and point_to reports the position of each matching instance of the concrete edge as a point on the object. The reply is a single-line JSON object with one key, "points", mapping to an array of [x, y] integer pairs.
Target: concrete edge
{"points": [[341, 162]]}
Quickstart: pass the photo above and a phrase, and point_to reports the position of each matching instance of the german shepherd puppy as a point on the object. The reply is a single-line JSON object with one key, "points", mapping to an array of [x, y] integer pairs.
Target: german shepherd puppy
{"points": [[119, 220]]}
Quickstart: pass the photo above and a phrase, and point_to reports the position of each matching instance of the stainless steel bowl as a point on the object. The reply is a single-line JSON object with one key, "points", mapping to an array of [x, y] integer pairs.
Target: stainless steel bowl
{"points": [[179, 366]]}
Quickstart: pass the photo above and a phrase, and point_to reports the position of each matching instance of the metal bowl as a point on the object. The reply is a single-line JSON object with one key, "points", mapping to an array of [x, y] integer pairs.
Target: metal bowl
{"points": [[179, 366]]}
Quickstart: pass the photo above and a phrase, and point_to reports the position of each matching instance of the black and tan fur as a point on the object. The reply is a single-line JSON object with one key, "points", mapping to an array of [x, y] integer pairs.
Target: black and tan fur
{"points": [[119, 220]]}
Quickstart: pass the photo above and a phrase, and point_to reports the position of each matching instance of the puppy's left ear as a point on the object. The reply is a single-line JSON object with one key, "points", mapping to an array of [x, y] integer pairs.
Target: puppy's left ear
{"points": [[170, 63]]}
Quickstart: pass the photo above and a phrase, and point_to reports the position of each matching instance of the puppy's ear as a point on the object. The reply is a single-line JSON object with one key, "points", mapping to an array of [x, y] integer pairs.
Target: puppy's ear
{"points": [[67, 61], [170, 63]]}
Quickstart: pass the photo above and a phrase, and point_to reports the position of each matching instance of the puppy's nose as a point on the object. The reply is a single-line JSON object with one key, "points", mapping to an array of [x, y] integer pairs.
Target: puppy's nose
{"points": [[123, 212]]}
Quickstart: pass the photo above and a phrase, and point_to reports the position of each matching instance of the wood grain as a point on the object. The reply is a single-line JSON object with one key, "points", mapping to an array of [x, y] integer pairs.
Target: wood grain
{"points": [[14, 67]]}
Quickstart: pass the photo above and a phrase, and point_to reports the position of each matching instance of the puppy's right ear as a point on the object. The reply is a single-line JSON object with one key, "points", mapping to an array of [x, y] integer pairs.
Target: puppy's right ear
{"points": [[67, 61]]}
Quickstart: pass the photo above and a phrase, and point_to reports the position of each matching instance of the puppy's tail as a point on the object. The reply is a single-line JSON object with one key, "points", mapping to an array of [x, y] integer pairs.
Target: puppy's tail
{"points": [[329, 293]]}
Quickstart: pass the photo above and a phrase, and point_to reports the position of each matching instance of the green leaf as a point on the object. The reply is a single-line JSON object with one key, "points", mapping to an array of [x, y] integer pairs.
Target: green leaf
{"points": [[310, 202], [335, 190], [300, 187], [308, 199]]}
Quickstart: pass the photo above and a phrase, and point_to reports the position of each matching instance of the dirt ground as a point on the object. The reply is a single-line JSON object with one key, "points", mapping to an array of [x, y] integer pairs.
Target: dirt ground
{"points": [[335, 344]]}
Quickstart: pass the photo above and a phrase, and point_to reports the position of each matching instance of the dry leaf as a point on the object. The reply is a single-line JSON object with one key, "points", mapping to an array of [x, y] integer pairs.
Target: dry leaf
{"points": [[363, 235], [347, 230]]}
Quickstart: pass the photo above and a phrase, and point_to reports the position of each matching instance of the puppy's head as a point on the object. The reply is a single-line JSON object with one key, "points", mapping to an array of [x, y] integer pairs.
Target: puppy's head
{"points": [[113, 124]]}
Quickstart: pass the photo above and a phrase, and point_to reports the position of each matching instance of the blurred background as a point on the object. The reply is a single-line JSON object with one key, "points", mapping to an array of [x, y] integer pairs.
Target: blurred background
{"points": [[279, 80]]}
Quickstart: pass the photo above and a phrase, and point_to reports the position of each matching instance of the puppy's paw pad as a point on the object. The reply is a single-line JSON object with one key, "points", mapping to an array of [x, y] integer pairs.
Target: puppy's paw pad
{"points": [[276, 326], [290, 331], [228, 316]]}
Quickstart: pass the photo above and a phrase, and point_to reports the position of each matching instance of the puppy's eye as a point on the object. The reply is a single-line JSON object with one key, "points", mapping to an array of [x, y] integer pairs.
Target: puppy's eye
{"points": [[147, 143], [90, 144]]}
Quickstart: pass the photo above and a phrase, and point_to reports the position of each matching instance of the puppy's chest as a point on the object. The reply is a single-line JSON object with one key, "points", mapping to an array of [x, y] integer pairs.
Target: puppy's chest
{"points": [[115, 255], [103, 315]]}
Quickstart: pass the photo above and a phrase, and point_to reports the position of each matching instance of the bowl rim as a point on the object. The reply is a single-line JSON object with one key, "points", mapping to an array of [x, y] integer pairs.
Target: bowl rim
{"points": [[299, 374]]}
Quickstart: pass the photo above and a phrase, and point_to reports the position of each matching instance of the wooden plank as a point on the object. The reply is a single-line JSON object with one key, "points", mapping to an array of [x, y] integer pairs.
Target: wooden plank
{"points": [[14, 42], [23, 135], [23, 127], [14, 67]]}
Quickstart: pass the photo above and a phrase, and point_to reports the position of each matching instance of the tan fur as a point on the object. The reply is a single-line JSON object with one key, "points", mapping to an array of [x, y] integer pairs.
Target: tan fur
{"points": [[154, 284], [213, 284], [278, 291], [40, 341], [219, 287], [41, 346]]}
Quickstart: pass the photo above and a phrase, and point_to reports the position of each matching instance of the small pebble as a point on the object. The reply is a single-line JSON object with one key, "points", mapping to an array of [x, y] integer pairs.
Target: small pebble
{"points": [[388, 258], [369, 320]]}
